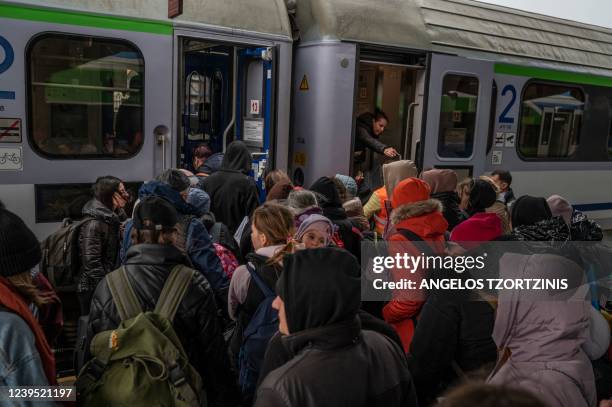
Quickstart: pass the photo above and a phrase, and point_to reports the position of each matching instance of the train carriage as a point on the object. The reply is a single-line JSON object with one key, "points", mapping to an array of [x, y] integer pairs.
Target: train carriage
{"points": [[466, 85], [119, 88]]}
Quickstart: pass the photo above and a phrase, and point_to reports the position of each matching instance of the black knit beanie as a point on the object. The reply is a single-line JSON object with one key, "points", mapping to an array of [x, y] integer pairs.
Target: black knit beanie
{"points": [[482, 196], [19, 248], [528, 210]]}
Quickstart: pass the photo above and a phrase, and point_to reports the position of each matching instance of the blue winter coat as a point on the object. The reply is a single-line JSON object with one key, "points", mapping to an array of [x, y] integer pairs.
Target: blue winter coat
{"points": [[198, 244]]}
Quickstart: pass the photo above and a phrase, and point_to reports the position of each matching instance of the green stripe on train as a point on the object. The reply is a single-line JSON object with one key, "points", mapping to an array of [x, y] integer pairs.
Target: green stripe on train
{"points": [[84, 19], [552, 75]]}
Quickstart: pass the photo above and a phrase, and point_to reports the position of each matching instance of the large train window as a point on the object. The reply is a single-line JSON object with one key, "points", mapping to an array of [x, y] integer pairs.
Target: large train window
{"points": [[86, 97], [550, 121], [458, 116]]}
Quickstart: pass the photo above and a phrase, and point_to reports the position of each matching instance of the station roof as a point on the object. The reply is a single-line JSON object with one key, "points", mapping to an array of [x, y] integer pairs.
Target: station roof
{"points": [[262, 16], [464, 27]]}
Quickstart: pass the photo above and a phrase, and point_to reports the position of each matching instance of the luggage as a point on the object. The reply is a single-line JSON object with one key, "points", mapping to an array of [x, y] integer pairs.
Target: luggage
{"points": [[142, 362], [61, 261]]}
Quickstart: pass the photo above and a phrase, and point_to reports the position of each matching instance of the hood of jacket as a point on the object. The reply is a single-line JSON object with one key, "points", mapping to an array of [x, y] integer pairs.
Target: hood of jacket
{"points": [[440, 180], [320, 287], [155, 254], [97, 210], [397, 171], [528, 210], [200, 200], [237, 157], [423, 218], [211, 165], [161, 190], [547, 325], [326, 189]]}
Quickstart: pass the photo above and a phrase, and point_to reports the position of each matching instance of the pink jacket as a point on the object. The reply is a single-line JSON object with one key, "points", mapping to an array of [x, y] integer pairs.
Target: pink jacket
{"points": [[544, 333]]}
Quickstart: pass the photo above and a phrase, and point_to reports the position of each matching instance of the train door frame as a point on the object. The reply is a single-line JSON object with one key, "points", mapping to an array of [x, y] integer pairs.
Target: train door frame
{"points": [[439, 66], [412, 60], [219, 38]]}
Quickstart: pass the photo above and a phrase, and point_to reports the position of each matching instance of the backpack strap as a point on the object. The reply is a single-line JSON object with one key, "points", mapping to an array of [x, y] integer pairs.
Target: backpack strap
{"points": [[267, 291], [174, 290], [215, 232], [413, 237], [410, 235], [123, 294]]}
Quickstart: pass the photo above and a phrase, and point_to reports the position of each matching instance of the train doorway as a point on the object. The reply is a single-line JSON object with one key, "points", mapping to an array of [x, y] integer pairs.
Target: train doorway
{"points": [[225, 93], [387, 83]]}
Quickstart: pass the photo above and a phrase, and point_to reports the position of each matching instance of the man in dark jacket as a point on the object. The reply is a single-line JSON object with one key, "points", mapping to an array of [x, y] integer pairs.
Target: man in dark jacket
{"points": [[196, 323], [334, 362], [193, 238], [233, 194]]}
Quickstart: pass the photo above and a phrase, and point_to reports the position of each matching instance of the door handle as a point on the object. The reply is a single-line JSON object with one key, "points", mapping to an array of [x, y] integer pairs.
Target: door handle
{"points": [[161, 133]]}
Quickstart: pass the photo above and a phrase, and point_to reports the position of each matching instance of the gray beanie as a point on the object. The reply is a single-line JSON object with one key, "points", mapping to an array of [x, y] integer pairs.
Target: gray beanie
{"points": [[175, 178]]}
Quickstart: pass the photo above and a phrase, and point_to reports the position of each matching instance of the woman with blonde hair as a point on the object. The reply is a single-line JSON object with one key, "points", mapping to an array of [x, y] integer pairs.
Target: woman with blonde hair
{"points": [[272, 231], [27, 357]]}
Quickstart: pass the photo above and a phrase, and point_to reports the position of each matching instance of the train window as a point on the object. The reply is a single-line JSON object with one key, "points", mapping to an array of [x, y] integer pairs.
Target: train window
{"points": [[458, 116], [550, 121], [86, 97], [55, 202]]}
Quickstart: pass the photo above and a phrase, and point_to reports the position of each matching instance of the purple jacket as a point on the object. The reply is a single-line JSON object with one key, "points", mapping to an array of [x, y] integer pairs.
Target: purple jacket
{"points": [[545, 333]]}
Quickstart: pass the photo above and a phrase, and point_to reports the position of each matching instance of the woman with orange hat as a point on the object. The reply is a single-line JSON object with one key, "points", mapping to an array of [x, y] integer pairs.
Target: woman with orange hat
{"points": [[415, 219]]}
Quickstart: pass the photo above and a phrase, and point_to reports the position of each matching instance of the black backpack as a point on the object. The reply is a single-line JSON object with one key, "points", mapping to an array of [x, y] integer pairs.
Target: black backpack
{"points": [[220, 234], [61, 260]]}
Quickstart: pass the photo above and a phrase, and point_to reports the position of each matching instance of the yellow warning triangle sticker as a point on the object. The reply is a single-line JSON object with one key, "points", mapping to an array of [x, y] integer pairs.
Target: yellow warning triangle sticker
{"points": [[304, 83]]}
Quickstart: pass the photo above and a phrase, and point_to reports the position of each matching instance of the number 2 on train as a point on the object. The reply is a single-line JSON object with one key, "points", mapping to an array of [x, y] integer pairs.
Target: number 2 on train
{"points": [[503, 117]]}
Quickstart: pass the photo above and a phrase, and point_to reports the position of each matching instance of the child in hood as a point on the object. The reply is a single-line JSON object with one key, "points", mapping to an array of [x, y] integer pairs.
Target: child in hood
{"points": [[315, 231]]}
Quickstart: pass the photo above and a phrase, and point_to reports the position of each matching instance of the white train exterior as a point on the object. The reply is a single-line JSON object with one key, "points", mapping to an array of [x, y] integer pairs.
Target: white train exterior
{"points": [[95, 88], [466, 85], [477, 86]]}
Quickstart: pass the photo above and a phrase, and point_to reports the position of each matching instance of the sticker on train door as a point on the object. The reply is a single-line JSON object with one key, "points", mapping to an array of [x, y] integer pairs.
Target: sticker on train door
{"points": [[304, 84], [500, 139], [299, 159], [509, 139], [254, 106], [11, 159], [496, 157], [10, 130]]}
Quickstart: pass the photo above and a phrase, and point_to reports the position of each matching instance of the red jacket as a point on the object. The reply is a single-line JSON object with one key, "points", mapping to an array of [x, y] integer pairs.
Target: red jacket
{"points": [[425, 219]]}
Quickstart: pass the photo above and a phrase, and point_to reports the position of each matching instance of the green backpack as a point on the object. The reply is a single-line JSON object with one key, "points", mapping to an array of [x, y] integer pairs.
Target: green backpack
{"points": [[142, 362]]}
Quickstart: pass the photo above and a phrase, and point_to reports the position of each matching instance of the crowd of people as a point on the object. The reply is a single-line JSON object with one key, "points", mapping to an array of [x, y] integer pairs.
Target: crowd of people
{"points": [[222, 299]]}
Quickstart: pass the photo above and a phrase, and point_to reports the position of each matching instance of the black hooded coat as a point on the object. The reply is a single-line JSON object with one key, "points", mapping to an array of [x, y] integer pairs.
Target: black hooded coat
{"points": [[333, 361], [232, 193]]}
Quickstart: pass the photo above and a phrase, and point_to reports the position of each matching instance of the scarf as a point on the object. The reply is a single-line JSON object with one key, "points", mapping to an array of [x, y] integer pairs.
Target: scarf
{"points": [[11, 300]]}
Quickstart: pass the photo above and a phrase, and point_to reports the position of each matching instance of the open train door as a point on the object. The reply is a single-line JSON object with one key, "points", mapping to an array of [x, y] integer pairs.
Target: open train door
{"points": [[255, 107], [458, 109]]}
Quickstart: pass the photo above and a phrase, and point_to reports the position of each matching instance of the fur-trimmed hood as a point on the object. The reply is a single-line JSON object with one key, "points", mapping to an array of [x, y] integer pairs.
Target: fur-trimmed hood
{"points": [[412, 210]]}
